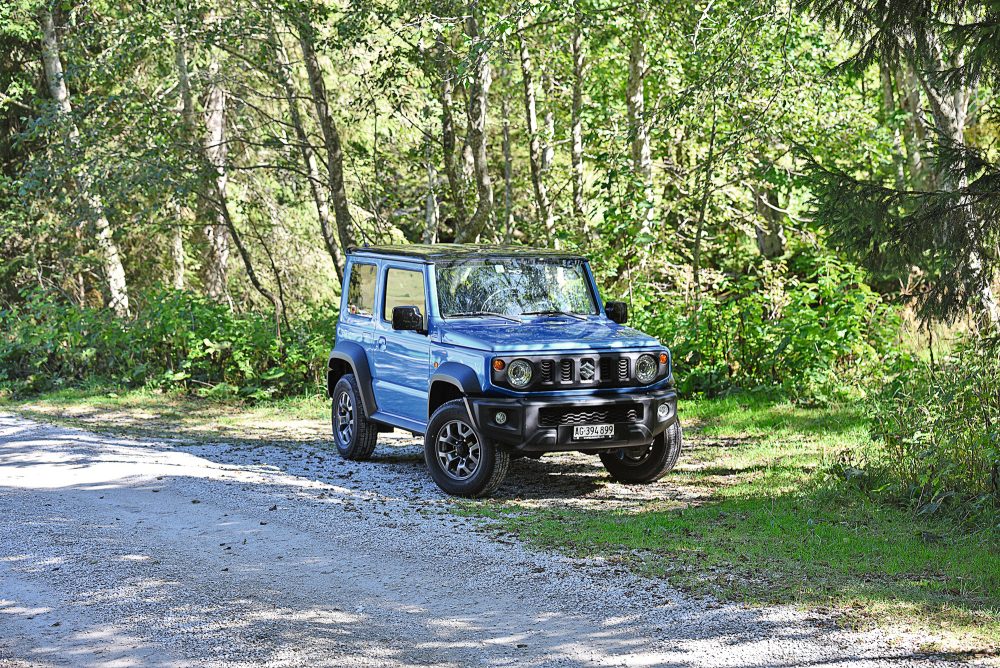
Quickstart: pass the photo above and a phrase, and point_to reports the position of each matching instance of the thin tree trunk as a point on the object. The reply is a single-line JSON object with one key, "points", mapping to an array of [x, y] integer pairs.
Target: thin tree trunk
{"points": [[549, 136], [177, 255], [508, 168], [308, 157], [543, 206], [635, 98], [331, 136], [914, 136], [702, 210], [576, 124], [113, 269], [889, 108], [216, 153], [431, 210], [478, 95], [222, 205], [771, 239], [456, 185]]}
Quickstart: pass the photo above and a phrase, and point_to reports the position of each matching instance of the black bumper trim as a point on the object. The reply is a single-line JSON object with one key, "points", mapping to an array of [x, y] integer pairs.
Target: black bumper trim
{"points": [[521, 432]]}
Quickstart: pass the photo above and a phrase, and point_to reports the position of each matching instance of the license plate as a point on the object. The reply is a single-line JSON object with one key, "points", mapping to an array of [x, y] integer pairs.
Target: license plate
{"points": [[589, 432]]}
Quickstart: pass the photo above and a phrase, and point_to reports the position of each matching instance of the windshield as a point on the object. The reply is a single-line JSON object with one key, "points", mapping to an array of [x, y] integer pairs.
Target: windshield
{"points": [[513, 286]]}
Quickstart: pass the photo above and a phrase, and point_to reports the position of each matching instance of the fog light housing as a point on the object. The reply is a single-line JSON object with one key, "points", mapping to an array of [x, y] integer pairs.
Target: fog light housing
{"points": [[500, 417], [663, 412]]}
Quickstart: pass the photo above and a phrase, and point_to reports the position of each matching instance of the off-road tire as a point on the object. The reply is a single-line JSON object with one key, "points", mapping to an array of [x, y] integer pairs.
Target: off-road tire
{"points": [[493, 461], [653, 465], [360, 443]]}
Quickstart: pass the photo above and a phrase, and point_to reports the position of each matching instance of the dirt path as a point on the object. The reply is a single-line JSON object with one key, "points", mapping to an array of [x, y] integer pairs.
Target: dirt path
{"points": [[121, 552]]}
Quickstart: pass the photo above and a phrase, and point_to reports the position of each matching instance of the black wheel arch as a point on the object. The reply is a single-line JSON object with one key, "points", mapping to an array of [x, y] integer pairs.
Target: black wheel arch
{"points": [[450, 381], [350, 357]]}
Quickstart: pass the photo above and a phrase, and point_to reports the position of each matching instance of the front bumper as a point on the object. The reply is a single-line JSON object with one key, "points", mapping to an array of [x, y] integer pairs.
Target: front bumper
{"points": [[545, 423]]}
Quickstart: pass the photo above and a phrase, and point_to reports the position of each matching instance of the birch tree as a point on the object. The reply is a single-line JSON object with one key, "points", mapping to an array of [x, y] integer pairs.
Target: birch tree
{"points": [[90, 199]]}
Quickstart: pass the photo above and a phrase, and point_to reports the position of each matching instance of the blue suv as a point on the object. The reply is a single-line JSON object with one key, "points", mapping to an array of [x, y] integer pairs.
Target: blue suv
{"points": [[495, 352]]}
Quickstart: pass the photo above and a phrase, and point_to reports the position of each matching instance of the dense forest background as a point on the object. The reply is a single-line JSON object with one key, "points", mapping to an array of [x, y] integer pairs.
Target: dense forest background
{"points": [[795, 197]]}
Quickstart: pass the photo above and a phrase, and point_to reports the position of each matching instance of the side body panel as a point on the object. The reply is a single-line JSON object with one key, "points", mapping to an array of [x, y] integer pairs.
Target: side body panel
{"points": [[401, 358]]}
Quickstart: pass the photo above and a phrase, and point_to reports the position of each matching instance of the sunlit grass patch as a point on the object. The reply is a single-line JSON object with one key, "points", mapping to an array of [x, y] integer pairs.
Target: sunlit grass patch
{"points": [[769, 531], [155, 413]]}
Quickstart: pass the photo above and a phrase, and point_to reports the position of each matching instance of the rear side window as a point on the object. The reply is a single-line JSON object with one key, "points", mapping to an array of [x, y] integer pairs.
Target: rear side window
{"points": [[361, 291], [403, 288]]}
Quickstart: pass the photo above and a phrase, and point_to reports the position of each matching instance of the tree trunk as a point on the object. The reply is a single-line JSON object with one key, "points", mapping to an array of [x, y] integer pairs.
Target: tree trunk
{"points": [[771, 239], [331, 136], [478, 94], [308, 158], [113, 269], [456, 185], [949, 104], [915, 134], [638, 127], [177, 255], [888, 108], [508, 168], [216, 154], [702, 210], [638, 130], [431, 211], [576, 123], [535, 151]]}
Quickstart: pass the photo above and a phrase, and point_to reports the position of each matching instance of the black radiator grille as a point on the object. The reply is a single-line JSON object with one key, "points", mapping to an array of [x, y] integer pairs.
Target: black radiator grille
{"points": [[566, 371], [548, 370], [557, 416]]}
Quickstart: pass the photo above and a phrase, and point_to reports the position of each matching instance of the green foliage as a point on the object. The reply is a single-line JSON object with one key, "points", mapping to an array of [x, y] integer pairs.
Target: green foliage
{"points": [[819, 338], [937, 434], [178, 339]]}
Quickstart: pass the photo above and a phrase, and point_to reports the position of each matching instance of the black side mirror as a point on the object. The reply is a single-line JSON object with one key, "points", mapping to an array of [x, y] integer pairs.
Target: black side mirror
{"points": [[616, 312], [407, 318]]}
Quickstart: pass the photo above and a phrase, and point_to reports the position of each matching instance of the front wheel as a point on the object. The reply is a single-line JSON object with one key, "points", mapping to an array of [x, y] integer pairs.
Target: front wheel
{"points": [[459, 459], [646, 463]]}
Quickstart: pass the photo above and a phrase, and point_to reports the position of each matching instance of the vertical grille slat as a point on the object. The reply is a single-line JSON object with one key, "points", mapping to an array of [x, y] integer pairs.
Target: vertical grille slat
{"points": [[605, 365], [623, 369], [566, 371], [548, 371]]}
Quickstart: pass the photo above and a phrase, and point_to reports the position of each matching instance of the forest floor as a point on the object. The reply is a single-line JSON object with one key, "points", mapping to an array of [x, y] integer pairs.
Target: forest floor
{"points": [[746, 517]]}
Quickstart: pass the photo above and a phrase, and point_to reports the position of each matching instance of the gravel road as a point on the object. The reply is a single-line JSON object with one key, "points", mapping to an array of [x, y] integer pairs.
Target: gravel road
{"points": [[118, 552]]}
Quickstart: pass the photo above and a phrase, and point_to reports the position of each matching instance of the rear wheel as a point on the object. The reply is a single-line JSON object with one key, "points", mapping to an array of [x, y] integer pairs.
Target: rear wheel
{"points": [[459, 459], [646, 463], [353, 433]]}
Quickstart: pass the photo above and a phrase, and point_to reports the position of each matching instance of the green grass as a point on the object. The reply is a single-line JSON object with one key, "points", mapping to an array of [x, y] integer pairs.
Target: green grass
{"points": [[770, 528], [748, 515], [154, 413]]}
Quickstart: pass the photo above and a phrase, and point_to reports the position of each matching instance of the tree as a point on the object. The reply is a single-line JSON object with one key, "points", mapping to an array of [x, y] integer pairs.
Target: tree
{"points": [[950, 229], [90, 201]]}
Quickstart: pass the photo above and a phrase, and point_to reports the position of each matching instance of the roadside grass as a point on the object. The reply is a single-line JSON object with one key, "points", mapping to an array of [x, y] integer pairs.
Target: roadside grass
{"points": [[157, 414], [748, 515], [770, 528]]}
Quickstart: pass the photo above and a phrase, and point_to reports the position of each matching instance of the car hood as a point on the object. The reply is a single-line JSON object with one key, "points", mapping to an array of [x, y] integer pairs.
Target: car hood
{"points": [[543, 334]]}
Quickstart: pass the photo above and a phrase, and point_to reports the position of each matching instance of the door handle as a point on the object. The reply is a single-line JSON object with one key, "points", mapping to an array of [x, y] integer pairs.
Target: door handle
{"points": [[381, 343]]}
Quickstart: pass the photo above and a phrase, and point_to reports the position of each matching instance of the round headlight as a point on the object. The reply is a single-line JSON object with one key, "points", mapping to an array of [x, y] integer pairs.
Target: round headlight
{"points": [[645, 368], [519, 373]]}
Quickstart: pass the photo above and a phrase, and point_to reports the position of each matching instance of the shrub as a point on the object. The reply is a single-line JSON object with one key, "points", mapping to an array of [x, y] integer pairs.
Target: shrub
{"points": [[177, 338], [819, 338], [937, 433]]}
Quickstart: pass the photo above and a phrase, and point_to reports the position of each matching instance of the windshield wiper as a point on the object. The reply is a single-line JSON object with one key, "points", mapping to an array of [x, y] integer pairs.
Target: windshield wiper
{"points": [[555, 312], [465, 314]]}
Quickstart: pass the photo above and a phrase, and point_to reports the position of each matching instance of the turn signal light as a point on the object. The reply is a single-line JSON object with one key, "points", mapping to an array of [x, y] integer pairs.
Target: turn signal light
{"points": [[498, 365], [663, 358]]}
